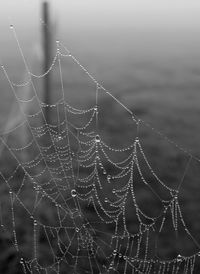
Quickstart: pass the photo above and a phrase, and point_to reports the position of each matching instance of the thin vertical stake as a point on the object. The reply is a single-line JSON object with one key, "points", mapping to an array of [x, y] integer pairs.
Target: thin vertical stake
{"points": [[47, 57]]}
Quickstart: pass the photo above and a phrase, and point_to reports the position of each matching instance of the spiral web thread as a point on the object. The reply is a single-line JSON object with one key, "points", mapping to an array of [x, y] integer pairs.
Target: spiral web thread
{"points": [[64, 172]]}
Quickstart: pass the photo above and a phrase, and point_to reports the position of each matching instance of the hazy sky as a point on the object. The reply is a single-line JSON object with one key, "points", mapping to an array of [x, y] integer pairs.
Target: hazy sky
{"points": [[141, 13], [148, 26]]}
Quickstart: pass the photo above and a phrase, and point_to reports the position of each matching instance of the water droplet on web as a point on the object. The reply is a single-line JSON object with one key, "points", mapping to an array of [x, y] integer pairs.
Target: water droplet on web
{"points": [[137, 140], [97, 139], [114, 252], [77, 229], [73, 193], [106, 200], [179, 258], [11, 26], [108, 177], [91, 252]]}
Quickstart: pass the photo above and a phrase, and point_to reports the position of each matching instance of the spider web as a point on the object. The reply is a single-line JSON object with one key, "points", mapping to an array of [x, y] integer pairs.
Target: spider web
{"points": [[82, 199]]}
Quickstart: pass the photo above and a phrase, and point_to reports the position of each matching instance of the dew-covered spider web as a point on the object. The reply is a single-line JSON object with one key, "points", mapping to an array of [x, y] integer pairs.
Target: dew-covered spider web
{"points": [[80, 200]]}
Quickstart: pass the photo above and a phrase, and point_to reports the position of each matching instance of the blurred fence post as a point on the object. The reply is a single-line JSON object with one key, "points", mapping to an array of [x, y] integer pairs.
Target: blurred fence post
{"points": [[47, 57]]}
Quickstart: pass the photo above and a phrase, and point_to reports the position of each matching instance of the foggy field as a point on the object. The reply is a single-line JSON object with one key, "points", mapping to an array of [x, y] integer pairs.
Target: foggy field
{"points": [[167, 101], [172, 109]]}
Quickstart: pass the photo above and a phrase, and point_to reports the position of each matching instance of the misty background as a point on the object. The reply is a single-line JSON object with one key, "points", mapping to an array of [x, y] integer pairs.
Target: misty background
{"points": [[134, 48], [146, 53]]}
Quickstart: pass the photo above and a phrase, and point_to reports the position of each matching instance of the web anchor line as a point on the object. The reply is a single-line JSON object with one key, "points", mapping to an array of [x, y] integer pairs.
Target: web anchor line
{"points": [[134, 117]]}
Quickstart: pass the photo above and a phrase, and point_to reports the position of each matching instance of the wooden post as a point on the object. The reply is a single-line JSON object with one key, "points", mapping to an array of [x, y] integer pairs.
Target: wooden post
{"points": [[47, 57]]}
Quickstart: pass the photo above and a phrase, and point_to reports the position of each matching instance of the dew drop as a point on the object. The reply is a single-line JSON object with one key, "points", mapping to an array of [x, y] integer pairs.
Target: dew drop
{"points": [[179, 258], [91, 252], [136, 139], [114, 252], [108, 177], [106, 200], [73, 193], [97, 139], [77, 229], [11, 26]]}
